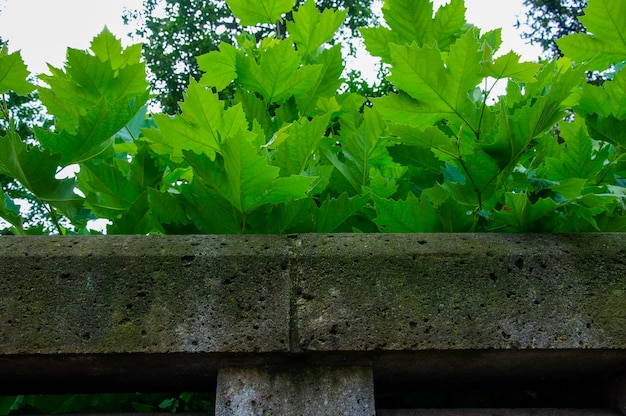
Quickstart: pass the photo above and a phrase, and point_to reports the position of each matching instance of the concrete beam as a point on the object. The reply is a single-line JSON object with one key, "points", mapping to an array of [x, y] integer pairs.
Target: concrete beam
{"points": [[120, 311]]}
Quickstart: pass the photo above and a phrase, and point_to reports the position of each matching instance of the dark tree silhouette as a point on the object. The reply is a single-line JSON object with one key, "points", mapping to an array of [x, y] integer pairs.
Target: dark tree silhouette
{"points": [[547, 20]]}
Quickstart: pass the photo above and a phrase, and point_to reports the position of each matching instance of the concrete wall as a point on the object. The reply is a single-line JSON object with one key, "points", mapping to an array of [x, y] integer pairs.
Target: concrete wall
{"points": [[118, 312]]}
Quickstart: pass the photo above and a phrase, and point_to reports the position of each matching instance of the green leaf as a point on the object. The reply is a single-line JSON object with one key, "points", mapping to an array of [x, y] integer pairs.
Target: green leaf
{"points": [[326, 85], [220, 67], [243, 177], [36, 170], [605, 44], [166, 207], [430, 138], [439, 88], [606, 100], [545, 104], [361, 149], [449, 23], [290, 217], [13, 73], [424, 169], [111, 189], [107, 189], [382, 186], [278, 74], [575, 159], [310, 29], [200, 128], [412, 21], [609, 129], [402, 109], [508, 66], [377, 41], [210, 211], [335, 211], [251, 13], [409, 216], [138, 219], [107, 47], [93, 99], [520, 215], [10, 212], [570, 189], [299, 146], [94, 135]]}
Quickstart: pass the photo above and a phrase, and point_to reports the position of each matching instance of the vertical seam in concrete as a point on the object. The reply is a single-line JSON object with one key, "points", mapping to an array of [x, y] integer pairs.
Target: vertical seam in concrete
{"points": [[294, 290]]}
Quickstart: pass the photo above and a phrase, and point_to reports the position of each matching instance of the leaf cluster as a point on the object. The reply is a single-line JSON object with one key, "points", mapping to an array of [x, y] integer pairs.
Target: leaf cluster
{"points": [[265, 143], [178, 31]]}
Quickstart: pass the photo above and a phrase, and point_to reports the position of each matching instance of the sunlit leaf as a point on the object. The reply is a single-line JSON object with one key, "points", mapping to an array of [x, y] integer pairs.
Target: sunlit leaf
{"points": [[251, 13]]}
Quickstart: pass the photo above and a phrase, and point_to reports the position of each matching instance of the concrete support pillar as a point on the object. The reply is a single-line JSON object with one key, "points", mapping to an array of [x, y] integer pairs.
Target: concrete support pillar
{"points": [[316, 391]]}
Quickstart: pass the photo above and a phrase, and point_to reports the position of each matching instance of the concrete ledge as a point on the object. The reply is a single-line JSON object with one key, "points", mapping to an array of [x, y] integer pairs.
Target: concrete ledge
{"points": [[399, 303]]}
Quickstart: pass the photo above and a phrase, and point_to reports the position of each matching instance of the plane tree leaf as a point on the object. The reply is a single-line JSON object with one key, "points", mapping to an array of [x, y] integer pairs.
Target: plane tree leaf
{"points": [[251, 13], [310, 29], [410, 215], [439, 87], [411, 22], [201, 127], [508, 66], [335, 211], [278, 74], [605, 42], [13, 73], [299, 147], [219, 67], [243, 177], [36, 169], [94, 133], [93, 99]]}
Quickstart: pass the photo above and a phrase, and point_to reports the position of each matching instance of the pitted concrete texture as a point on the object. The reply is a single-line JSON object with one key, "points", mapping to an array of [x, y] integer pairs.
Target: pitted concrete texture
{"points": [[345, 292], [461, 291], [74, 308], [122, 294], [314, 391]]}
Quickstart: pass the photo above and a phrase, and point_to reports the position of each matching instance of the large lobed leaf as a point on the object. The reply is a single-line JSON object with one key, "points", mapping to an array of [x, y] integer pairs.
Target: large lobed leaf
{"points": [[605, 44], [310, 29], [251, 13], [13, 73]]}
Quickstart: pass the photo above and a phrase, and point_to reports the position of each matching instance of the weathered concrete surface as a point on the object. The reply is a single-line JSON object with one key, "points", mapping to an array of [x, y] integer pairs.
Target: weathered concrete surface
{"points": [[124, 311], [315, 391], [61, 295], [472, 291]]}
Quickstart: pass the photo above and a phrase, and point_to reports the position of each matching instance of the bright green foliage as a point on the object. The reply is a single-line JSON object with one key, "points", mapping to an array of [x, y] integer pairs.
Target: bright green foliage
{"points": [[251, 13], [277, 74], [508, 66], [265, 143], [606, 45], [93, 99], [13, 73], [310, 29], [410, 21], [203, 124]]}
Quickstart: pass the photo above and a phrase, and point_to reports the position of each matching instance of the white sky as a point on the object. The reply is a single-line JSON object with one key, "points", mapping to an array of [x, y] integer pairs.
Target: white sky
{"points": [[42, 29]]}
